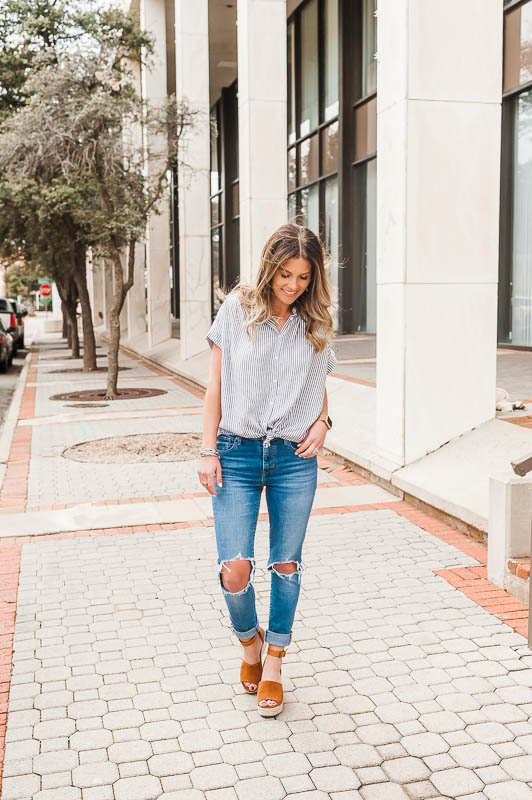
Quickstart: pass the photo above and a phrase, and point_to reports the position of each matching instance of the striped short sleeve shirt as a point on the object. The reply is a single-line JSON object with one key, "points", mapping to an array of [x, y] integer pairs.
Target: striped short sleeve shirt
{"points": [[273, 384]]}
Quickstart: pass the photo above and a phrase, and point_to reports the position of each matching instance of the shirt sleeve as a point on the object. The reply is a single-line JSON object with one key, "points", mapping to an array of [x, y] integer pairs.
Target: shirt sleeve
{"points": [[216, 332], [331, 359]]}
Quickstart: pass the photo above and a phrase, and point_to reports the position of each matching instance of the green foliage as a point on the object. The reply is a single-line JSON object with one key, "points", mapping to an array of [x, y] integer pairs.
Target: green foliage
{"points": [[72, 160], [33, 31], [22, 278]]}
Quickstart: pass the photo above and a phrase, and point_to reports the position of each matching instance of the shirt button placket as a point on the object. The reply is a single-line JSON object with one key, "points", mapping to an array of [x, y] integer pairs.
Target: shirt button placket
{"points": [[273, 389]]}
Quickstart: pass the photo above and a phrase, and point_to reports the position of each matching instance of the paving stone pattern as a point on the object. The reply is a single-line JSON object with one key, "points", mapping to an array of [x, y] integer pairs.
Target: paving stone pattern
{"points": [[125, 675], [56, 480]]}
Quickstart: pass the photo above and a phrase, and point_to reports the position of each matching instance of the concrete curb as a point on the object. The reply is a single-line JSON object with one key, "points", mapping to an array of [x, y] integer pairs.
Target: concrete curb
{"points": [[11, 418]]}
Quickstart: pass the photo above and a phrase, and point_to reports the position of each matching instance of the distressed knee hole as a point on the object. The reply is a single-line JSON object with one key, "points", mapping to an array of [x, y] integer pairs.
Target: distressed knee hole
{"points": [[237, 576], [287, 569]]}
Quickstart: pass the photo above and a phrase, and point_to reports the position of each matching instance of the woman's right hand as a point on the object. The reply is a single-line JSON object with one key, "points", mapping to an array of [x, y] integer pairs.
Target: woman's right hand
{"points": [[209, 468]]}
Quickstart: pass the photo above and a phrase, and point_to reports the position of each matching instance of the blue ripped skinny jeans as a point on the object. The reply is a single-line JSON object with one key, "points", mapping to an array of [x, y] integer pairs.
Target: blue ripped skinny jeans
{"points": [[248, 465]]}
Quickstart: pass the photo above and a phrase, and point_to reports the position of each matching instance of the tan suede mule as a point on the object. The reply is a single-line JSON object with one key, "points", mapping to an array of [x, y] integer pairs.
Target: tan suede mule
{"points": [[252, 673], [271, 690]]}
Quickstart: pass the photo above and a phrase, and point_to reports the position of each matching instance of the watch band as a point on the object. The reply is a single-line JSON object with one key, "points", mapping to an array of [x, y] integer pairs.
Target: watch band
{"points": [[326, 419]]}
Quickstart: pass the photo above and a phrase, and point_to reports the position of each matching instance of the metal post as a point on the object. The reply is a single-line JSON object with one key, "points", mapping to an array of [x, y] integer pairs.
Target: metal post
{"points": [[522, 468]]}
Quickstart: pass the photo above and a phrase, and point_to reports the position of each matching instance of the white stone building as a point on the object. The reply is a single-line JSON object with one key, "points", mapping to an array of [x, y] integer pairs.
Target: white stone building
{"points": [[383, 129]]}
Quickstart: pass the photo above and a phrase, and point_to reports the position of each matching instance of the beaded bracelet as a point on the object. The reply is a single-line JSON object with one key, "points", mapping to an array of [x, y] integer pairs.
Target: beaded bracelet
{"points": [[208, 451]]}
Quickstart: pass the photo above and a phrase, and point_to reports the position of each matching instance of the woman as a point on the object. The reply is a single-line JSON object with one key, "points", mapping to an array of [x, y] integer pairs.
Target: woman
{"points": [[264, 421]]}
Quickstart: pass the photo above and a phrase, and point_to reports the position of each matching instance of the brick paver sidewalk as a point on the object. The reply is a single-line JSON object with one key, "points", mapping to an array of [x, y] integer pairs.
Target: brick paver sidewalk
{"points": [[408, 678]]}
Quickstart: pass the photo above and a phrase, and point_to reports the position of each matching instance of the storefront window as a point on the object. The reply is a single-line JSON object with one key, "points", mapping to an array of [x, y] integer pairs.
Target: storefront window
{"points": [[369, 46], [310, 207], [518, 46], [330, 46], [309, 68], [291, 52], [515, 265], [312, 162], [521, 299], [331, 240]]}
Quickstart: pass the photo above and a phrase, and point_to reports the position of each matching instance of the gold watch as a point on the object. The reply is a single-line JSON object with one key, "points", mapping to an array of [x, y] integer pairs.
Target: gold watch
{"points": [[326, 419]]}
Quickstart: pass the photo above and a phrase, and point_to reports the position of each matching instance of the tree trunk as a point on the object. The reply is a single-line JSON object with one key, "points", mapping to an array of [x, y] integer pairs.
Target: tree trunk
{"points": [[114, 329], [64, 334], [89, 342], [68, 306]]}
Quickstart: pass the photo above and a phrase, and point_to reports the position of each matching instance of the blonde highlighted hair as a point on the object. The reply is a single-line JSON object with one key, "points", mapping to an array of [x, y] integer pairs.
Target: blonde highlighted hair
{"points": [[291, 241]]}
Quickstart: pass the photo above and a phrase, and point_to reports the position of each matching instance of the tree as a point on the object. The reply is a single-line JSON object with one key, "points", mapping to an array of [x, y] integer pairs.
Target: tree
{"points": [[38, 40]]}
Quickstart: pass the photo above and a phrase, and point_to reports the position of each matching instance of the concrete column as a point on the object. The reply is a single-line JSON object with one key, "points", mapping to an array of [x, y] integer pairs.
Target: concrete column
{"points": [[262, 110], [158, 231], [192, 86], [136, 297], [135, 304], [438, 135]]}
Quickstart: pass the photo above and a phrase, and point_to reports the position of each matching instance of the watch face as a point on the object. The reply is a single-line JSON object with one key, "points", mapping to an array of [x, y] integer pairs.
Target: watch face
{"points": [[329, 421]]}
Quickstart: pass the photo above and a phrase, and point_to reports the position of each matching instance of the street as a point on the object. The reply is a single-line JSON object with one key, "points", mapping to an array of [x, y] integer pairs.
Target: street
{"points": [[8, 383]]}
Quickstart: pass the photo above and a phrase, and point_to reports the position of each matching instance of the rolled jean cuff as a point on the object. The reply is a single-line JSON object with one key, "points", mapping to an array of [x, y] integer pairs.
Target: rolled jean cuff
{"points": [[246, 634], [278, 639]]}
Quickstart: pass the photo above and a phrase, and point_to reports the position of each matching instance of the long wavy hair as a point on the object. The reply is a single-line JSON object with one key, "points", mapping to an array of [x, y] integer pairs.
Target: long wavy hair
{"points": [[291, 241]]}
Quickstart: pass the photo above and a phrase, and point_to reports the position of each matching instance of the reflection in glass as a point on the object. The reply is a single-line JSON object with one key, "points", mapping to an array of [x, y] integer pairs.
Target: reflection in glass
{"points": [[215, 210], [369, 46], [216, 266], [236, 199], [292, 169], [518, 46], [331, 240], [308, 160], [330, 46], [291, 207], [309, 68], [370, 245], [291, 47], [310, 207], [215, 164], [366, 129], [329, 149], [521, 303]]}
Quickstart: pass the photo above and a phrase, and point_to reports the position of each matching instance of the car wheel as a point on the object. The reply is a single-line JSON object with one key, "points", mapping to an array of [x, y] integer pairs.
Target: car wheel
{"points": [[10, 360], [3, 365]]}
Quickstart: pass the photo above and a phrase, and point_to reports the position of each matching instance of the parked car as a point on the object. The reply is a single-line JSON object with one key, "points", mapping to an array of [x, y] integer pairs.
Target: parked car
{"points": [[6, 348], [12, 316], [20, 312]]}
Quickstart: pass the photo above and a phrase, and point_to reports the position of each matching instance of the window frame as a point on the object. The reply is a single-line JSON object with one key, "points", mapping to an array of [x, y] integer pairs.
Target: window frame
{"points": [[506, 214]]}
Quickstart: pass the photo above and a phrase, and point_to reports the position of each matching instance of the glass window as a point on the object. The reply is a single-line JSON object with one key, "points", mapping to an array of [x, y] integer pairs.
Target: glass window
{"points": [[370, 245], [521, 301], [331, 239], [369, 46], [291, 48], [216, 265], [308, 160], [309, 68], [330, 44], [292, 211], [292, 169], [329, 148], [310, 207], [236, 199], [518, 46], [215, 161], [366, 129], [215, 210]]}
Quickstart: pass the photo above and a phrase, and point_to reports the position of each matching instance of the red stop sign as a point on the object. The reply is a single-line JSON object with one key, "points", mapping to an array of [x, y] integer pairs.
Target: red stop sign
{"points": [[45, 289]]}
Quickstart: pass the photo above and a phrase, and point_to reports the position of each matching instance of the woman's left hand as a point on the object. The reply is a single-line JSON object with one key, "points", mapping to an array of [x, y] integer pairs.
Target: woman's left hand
{"points": [[313, 441]]}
